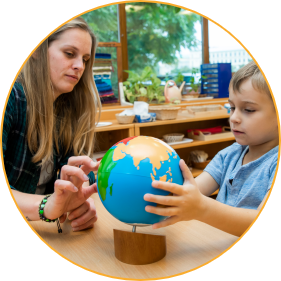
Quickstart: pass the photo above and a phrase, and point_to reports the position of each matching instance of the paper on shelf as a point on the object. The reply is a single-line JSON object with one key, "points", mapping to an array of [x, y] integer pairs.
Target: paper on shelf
{"points": [[140, 108], [127, 112]]}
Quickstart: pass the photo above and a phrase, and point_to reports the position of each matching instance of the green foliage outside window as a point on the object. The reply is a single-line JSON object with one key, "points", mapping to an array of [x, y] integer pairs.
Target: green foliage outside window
{"points": [[155, 33], [104, 23]]}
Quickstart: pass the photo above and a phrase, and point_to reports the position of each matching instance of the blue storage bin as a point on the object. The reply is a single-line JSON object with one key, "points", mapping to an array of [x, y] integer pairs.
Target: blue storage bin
{"points": [[217, 78]]}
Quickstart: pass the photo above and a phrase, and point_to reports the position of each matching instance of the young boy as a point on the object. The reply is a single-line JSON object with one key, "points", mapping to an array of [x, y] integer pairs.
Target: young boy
{"points": [[243, 172]]}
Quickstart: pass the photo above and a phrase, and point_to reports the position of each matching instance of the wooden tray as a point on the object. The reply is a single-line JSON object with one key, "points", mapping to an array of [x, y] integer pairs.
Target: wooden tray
{"points": [[206, 109], [203, 137]]}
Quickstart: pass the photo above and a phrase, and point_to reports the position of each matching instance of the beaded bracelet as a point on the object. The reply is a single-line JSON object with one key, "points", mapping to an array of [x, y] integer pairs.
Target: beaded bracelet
{"points": [[41, 212]]}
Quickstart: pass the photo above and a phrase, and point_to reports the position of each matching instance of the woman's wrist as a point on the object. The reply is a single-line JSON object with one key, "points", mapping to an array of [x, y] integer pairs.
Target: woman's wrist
{"points": [[28, 204], [48, 214]]}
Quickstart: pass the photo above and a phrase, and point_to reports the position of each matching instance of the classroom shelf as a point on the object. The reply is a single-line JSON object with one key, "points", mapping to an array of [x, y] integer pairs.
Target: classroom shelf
{"points": [[109, 135], [196, 172], [199, 143]]}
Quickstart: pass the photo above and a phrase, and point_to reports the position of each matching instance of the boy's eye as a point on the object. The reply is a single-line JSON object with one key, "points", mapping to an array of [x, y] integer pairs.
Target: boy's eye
{"points": [[232, 108]]}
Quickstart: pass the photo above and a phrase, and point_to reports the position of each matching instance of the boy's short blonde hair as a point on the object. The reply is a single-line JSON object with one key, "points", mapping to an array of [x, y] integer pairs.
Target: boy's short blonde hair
{"points": [[249, 71]]}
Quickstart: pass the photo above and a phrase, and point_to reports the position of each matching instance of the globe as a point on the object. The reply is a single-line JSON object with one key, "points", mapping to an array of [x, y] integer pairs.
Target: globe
{"points": [[126, 173]]}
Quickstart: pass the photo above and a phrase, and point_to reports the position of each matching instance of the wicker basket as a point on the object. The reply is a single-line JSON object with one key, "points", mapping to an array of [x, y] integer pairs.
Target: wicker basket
{"points": [[173, 137], [201, 165], [125, 119], [191, 96], [165, 112]]}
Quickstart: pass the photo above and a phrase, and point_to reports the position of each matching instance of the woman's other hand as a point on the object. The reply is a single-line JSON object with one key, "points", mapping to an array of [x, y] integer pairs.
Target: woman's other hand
{"points": [[84, 216], [69, 191]]}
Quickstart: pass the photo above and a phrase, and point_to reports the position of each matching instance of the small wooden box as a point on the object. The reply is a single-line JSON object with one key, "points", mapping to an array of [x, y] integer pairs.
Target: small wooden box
{"points": [[202, 137]]}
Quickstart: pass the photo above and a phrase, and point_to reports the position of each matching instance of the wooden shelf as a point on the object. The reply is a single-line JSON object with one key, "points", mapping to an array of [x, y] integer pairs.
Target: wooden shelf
{"points": [[115, 126], [203, 117], [109, 135], [199, 143], [196, 172], [108, 112]]}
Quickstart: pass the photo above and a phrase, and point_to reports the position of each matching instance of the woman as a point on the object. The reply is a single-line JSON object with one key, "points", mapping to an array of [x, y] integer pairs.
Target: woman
{"points": [[49, 127]]}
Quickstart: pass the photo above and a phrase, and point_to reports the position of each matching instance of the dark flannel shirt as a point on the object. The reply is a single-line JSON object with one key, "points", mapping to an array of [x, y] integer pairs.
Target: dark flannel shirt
{"points": [[22, 173]]}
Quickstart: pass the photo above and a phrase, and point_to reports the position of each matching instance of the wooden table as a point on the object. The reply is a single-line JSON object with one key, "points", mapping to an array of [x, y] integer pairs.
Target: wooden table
{"points": [[189, 245]]}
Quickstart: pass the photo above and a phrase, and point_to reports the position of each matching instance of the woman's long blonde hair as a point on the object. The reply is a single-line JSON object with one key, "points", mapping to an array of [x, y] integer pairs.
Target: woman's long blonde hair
{"points": [[68, 123]]}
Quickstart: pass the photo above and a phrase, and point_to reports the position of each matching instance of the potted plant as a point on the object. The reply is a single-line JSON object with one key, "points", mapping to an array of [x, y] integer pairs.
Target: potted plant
{"points": [[138, 87], [195, 86], [155, 90], [179, 78]]}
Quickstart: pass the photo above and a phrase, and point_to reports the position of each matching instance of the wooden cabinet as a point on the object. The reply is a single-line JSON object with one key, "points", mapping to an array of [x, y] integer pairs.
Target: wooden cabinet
{"points": [[212, 147], [109, 135]]}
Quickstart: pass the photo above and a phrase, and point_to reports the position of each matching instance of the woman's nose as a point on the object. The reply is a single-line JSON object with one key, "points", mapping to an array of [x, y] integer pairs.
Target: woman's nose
{"points": [[78, 64]]}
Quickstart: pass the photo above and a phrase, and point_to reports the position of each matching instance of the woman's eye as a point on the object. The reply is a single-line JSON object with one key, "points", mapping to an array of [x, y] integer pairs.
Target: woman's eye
{"points": [[249, 110], [69, 54], [232, 108]]}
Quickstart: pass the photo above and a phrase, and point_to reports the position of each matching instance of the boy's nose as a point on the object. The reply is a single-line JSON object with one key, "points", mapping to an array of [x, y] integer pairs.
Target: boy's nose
{"points": [[235, 117]]}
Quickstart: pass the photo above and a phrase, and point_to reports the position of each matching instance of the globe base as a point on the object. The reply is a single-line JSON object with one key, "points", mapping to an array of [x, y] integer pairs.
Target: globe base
{"points": [[139, 248]]}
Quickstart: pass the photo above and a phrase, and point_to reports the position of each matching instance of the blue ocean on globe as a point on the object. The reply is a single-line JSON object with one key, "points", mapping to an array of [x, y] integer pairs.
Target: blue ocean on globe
{"points": [[122, 184]]}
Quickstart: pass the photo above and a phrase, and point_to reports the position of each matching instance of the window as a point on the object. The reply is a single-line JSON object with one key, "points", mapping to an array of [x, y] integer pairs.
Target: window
{"points": [[104, 26], [221, 41], [164, 37], [106, 30]]}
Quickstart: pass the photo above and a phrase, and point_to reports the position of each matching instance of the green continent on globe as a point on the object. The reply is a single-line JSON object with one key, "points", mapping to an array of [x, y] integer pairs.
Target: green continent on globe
{"points": [[104, 175]]}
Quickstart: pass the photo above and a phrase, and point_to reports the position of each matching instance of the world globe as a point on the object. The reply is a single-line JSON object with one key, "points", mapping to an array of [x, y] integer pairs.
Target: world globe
{"points": [[126, 173]]}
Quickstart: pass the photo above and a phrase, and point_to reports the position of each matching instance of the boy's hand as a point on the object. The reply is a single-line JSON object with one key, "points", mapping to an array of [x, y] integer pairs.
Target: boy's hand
{"points": [[186, 204]]}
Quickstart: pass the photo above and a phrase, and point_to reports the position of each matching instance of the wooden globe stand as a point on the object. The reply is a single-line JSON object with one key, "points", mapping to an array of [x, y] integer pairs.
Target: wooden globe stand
{"points": [[138, 248]]}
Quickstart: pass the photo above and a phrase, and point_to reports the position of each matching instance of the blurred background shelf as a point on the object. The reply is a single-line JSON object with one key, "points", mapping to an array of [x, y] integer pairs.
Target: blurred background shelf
{"points": [[107, 136]]}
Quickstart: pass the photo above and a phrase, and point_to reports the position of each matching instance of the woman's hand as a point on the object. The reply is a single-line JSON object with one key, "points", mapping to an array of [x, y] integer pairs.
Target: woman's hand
{"points": [[187, 203], [84, 216], [69, 192]]}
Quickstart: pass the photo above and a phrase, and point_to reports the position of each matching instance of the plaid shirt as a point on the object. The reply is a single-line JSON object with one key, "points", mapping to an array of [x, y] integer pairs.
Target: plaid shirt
{"points": [[22, 173]]}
